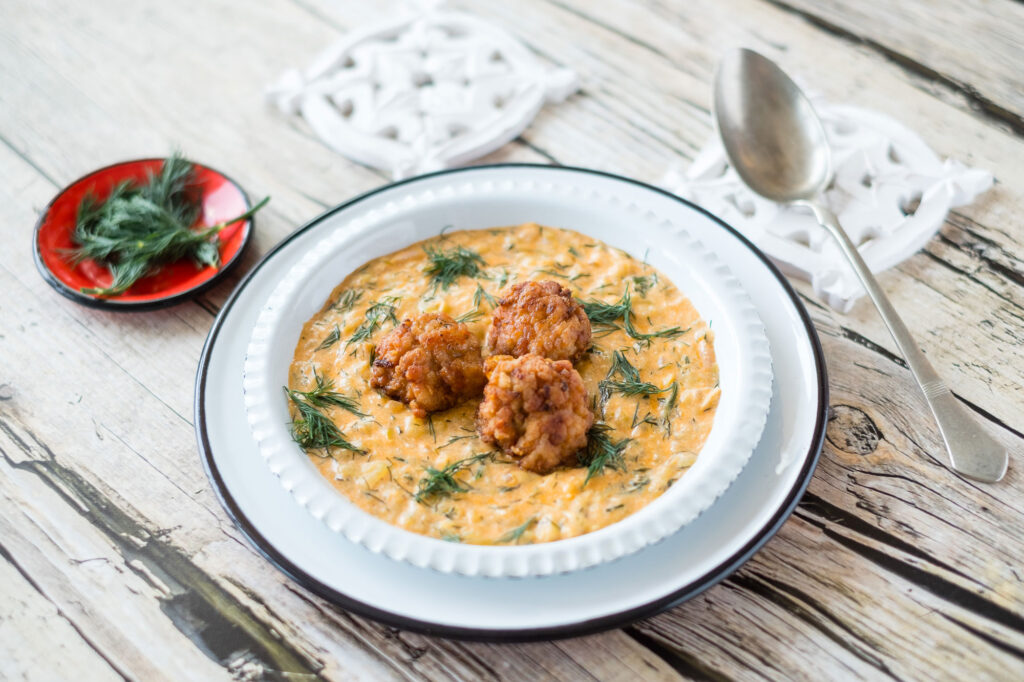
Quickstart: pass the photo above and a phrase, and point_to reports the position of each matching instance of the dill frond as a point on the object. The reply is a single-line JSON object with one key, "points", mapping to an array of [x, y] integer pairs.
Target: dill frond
{"points": [[669, 407], [347, 300], [517, 532], [630, 382], [481, 295], [447, 266], [381, 311], [324, 395], [471, 316], [140, 227], [442, 482], [604, 315], [602, 451], [330, 339], [644, 283], [313, 430]]}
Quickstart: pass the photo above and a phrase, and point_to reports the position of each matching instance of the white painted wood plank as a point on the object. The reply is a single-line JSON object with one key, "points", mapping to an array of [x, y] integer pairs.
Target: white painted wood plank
{"points": [[976, 44], [37, 642]]}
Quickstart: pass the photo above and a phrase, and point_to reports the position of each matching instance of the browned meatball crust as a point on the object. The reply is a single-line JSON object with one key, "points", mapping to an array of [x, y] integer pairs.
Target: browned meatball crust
{"points": [[534, 409], [431, 363], [540, 318]]}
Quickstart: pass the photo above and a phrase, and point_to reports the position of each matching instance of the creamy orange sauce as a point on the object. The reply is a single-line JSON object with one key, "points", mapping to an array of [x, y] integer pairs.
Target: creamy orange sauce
{"points": [[503, 503]]}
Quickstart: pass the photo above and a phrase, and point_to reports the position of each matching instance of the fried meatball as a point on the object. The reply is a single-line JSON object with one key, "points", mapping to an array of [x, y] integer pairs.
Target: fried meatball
{"points": [[430, 363], [540, 318], [534, 409]]}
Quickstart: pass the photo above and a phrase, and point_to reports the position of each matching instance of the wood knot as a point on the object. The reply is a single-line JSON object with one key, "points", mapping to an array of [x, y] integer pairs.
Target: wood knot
{"points": [[851, 430], [6, 391]]}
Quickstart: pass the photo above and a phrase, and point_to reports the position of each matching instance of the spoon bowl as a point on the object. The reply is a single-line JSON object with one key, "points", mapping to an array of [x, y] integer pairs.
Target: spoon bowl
{"points": [[770, 130]]}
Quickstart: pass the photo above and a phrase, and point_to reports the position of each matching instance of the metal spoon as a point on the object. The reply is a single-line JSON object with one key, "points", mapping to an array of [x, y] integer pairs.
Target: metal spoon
{"points": [[776, 143]]}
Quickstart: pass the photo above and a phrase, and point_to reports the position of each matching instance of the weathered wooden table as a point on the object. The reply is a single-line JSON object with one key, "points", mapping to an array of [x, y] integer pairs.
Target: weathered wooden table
{"points": [[117, 558]]}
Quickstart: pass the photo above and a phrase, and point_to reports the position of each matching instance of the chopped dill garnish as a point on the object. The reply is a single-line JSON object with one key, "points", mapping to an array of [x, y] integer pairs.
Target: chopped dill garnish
{"points": [[574, 252], [430, 426], [669, 407], [648, 418], [517, 532], [376, 314], [330, 339], [447, 266], [347, 300], [644, 283], [442, 482], [323, 395], [667, 333], [504, 278], [562, 275], [471, 316], [630, 383], [602, 451], [481, 295], [455, 439], [314, 430], [637, 484], [451, 537], [603, 316]]}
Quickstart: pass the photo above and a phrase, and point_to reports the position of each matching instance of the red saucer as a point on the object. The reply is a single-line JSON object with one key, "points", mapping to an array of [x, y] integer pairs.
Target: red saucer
{"points": [[173, 283]]}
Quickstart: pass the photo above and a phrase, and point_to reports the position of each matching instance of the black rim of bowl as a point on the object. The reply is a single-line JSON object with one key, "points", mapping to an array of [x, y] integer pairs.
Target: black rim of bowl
{"points": [[607, 622], [137, 306]]}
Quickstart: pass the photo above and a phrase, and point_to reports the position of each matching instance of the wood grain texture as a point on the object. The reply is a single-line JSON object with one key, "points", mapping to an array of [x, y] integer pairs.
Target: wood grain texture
{"points": [[983, 62], [113, 545]]}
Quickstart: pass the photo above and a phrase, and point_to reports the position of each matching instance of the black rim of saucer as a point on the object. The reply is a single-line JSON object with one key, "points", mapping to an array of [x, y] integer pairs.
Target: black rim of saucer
{"points": [[137, 306], [610, 621]]}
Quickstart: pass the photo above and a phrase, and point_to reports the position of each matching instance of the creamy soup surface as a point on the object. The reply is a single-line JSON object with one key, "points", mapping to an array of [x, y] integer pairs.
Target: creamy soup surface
{"points": [[494, 501]]}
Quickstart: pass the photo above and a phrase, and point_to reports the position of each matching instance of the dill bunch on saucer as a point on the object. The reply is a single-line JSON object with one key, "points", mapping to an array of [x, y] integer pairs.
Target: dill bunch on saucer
{"points": [[140, 227]]}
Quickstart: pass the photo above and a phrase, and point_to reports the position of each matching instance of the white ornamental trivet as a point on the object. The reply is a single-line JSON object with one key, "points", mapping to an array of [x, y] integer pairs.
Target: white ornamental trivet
{"points": [[890, 191], [424, 93]]}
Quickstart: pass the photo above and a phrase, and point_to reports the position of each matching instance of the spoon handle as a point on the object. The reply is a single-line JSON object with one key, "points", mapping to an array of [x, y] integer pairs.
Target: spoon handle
{"points": [[972, 451]]}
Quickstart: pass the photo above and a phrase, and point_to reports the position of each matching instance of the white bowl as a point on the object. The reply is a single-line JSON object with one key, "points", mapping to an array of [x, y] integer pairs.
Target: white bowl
{"points": [[590, 204]]}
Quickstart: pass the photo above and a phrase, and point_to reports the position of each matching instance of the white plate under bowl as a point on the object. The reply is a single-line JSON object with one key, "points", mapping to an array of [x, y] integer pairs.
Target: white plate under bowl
{"points": [[660, 576], [599, 207]]}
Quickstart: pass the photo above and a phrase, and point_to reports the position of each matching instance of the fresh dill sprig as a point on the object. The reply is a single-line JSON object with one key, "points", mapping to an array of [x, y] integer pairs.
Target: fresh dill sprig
{"points": [[455, 439], [347, 300], [669, 407], [446, 266], [481, 295], [555, 273], [648, 418], [324, 395], [602, 451], [140, 227], [630, 383], [471, 316], [314, 430], [330, 339], [504, 278], [666, 333], [442, 482], [517, 532], [644, 283], [376, 314], [604, 315]]}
